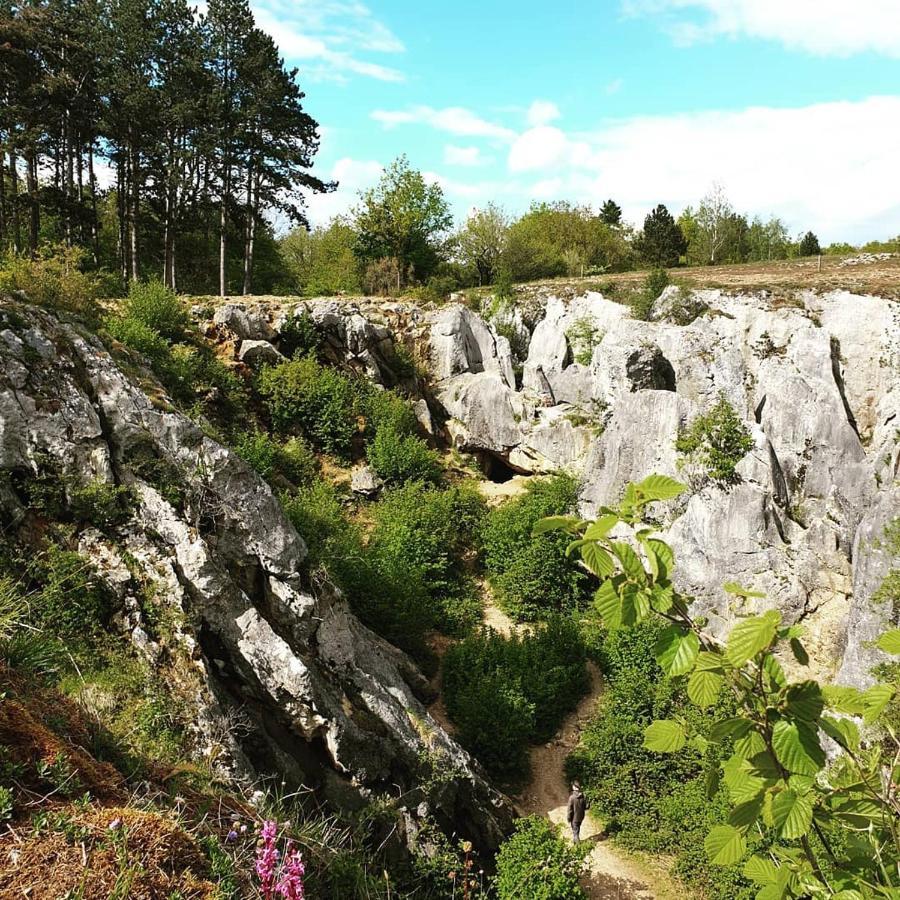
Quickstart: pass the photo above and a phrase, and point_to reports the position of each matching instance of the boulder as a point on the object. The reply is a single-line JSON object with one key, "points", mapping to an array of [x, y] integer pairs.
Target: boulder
{"points": [[364, 481], [246, 322], [259, 353]]}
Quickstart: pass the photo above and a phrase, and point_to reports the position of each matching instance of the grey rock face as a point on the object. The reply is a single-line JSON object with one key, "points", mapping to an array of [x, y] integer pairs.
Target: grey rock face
{"points": [[364, 481], [321, 698], [249, 323], [259, 353]]}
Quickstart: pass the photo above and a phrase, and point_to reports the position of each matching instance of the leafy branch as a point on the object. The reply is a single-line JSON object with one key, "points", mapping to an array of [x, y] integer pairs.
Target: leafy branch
{"points": [[777, 777]]}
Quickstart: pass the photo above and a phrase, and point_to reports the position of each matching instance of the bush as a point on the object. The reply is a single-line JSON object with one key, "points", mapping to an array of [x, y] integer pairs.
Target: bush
{"points": [[71, 603], [139, 337], [532, 576], [55, 278], [654, 284], [718, 440], [155, 306], [293, 460], [300, 336], [398, 458], [316, 401], [102, 504], [653, 802], [504, 692], [386, 409], [538, 864]]}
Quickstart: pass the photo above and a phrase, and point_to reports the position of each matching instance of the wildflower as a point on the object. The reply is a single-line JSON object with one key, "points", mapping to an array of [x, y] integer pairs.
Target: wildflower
{"points": [[267, 859], [290, 885], [115, 825], [243, 829], [231, 837]]}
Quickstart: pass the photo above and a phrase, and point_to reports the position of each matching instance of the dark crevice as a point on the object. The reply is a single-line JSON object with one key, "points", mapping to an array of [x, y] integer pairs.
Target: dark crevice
{"points": [[839, 382], [757, 413], [495, 469], [779, 482]]}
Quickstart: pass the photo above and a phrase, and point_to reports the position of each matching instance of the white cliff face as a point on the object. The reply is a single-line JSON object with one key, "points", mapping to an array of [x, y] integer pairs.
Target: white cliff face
{"points": [[327, 702]]}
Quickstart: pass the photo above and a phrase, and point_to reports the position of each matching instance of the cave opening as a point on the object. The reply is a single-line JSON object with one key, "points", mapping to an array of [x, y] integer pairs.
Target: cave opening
{"points": [[496, 469]]}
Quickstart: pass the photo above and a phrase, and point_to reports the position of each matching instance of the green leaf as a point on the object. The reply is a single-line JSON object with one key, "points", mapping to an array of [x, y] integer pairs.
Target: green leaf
{"points": [[725, 845], [843, 731], [631, 562], [711, 782], [876, 698], [664, 736], [599, 529], [760, 870], [635, 604], [676, 650], [805, 701], [745, 814], [763, 765], [792, 814], [890, 642], [775, 673], [733, 727], [799, 652], [710, 662], [797, 747], [662, 597], [703, 687], [748, 745], [847, 700], [732, 587], [664, 556], [751, 636], [609, 604], [597, 559], [554, 523], [741, 783], [660, 487]]}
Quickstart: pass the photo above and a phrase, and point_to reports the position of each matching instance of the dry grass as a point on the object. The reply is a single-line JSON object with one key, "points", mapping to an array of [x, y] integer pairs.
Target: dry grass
{"points": [[145, 857]]}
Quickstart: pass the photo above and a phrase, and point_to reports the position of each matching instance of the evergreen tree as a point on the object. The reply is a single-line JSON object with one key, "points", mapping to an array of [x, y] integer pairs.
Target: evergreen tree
{"points": [[611, 213], [662, 242], [809, 245]]}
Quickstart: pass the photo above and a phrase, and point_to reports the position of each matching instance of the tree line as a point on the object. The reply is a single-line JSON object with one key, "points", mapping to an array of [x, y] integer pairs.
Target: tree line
{"points": [[400, 235], [156, 138]]}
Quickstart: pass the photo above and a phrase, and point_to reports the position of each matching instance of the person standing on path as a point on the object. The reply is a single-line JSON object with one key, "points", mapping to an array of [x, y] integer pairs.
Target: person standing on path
{"points": [[575, 811]]}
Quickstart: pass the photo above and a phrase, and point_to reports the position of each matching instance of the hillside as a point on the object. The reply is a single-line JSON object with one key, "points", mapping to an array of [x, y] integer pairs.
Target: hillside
{"points": [[252, 527]]}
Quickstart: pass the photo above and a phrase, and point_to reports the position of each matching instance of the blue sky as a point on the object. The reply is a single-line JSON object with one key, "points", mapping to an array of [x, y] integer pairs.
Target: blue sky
{"points": [[792, 105]]}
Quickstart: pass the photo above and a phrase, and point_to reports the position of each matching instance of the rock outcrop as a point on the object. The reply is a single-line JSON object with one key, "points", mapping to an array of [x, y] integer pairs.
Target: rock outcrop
{"points": [[318, 697], [815, 380]]}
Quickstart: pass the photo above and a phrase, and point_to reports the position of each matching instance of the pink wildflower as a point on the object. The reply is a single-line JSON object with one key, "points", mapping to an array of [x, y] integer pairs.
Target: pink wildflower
{"points": [[267, 859], [290, 885]]}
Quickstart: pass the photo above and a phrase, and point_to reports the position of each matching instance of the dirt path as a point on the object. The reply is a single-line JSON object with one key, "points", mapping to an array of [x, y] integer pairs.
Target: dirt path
{"points": [[609, 874]]}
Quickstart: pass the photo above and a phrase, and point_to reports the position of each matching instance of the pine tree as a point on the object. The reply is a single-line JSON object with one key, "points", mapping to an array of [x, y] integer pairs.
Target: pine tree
{"points": [[662, 242], [809, 245], [611, 213]]}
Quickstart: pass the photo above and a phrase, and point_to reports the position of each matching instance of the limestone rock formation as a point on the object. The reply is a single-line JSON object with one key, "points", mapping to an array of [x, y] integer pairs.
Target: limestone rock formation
{"points": [[320, 698]]}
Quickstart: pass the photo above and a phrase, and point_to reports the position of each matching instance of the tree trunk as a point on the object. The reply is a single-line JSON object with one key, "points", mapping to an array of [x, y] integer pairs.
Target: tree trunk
{"points": [[249, 235], [14, 195], [79, 169], [34, 230], [121, 188], [223, 223], [134, 210], [2, 206], [169, 225], [95, 219]]}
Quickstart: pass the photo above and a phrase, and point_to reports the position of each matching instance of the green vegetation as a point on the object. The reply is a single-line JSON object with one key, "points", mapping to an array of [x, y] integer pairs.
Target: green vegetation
{"points": [[531, 575], [292, 460], [583, 335], [317, 402], [504, 693], [662, 242], [796, 825], [654, 284], [537, 863], [718, 440], [398, 457]]}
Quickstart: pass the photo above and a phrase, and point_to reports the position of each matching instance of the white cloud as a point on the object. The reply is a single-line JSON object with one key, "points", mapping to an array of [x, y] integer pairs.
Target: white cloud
{"points": [[830, 167], [542, 112], [452, 119], [352, 176], [327, 38], [463, 156], [823, 27]]}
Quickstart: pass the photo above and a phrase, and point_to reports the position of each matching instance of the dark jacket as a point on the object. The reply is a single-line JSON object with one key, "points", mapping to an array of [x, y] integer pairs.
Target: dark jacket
{"points": [[576, 808]]}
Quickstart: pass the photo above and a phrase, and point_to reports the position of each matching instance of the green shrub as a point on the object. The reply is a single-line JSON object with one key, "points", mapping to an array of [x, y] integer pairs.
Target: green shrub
{"points": [[399, 458], [718, 440], [156, 307], [654, 284], [316, 401], [538, 864], [292, 460], [299, 336], [101, 503], [504, 692], [139, 337], [317, 514], [55, 278], [583, 335], [72, 603], [387, 409], [531, 576]]}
